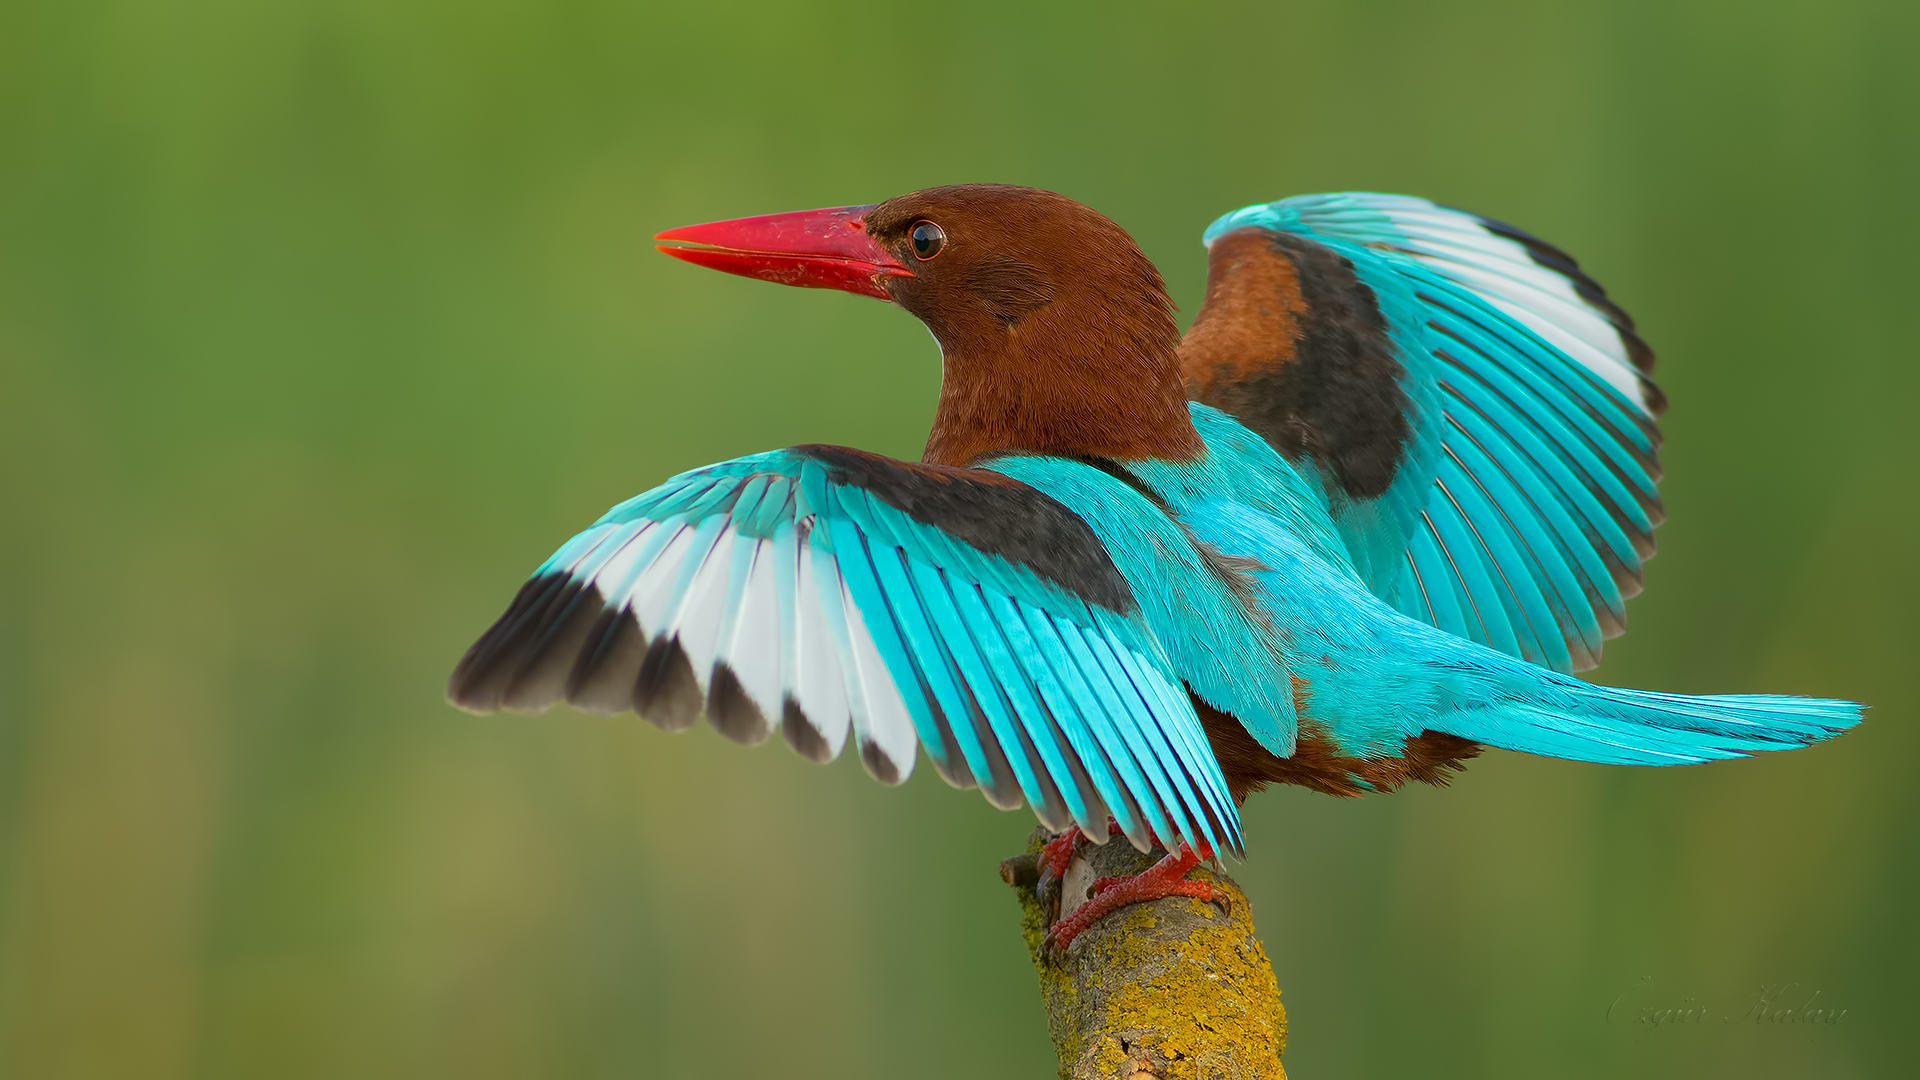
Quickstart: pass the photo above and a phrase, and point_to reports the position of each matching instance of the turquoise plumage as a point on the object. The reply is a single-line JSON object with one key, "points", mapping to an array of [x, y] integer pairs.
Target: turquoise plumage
{"points": [[1410, 498]]}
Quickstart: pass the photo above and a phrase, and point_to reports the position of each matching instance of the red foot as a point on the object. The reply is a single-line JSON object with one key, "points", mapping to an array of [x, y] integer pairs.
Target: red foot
{"points": [[1164, 878], [1055, 856]]}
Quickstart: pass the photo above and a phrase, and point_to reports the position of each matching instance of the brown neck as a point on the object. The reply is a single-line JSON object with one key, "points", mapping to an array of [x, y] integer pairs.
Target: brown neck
{"points": [[1083, 376], [1022, 399]]}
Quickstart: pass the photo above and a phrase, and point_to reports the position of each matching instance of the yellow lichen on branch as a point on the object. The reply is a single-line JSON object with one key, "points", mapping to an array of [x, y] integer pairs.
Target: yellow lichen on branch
{"points": [[1174, 989]]}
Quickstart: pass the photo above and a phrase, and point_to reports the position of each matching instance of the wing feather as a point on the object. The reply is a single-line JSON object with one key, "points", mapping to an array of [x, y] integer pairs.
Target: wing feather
{"points": [[980, 708], [1531, 455], [818, 591], [1513, 572], [820, 688], [1443, 587]]}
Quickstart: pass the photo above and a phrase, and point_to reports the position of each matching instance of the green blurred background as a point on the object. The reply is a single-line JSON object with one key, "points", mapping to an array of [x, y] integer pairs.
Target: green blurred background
{"points": [[322, 322]]}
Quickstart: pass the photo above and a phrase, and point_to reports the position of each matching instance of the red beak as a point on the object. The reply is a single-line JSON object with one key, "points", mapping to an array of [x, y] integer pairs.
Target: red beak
{"points": [[814, 249]]}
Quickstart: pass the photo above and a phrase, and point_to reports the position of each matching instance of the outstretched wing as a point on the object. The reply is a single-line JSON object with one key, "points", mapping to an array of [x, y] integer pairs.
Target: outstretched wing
{"points": [[1475, 406], [825, 591]]}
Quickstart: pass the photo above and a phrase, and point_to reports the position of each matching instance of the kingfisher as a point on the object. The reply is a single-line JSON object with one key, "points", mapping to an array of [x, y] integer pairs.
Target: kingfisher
{"points": [[1365, 519]]}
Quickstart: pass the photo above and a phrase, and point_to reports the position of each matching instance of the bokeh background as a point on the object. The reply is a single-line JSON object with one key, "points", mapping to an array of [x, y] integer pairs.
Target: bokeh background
{"points": [[323, 321]]}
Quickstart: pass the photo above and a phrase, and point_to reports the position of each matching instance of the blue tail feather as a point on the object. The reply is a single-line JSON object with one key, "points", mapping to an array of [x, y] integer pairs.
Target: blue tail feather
{"points": [[1585, 722]]}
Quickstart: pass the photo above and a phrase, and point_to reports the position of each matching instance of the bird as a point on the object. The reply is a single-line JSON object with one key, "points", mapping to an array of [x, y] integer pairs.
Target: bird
{"points": [[1366, 518]]}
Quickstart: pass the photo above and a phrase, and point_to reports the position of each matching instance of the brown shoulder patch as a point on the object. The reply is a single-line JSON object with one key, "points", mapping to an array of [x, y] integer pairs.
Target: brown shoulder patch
{"points": [[1293, 344], [1250, 318]]}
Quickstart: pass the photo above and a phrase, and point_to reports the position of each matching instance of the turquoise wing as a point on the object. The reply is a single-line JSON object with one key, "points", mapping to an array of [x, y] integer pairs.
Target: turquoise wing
{"points": [[830, 593], [1518, 499]]}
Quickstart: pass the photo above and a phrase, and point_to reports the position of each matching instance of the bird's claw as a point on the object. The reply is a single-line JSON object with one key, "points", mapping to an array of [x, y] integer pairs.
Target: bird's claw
{"points": [[1107, 895], [1055, 856]]}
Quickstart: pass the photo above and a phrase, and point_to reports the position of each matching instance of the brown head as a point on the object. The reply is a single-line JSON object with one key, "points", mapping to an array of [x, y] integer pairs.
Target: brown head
{"points": [[1056, 332]]}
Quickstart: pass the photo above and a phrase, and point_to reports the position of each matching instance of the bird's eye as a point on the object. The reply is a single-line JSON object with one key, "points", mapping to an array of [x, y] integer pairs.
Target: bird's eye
{"points": [[927, 240]]}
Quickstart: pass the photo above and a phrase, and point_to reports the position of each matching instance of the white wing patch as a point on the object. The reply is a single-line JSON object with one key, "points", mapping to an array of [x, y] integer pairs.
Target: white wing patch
{"points": [[817, 689], [885, 731], [1461, 248]]}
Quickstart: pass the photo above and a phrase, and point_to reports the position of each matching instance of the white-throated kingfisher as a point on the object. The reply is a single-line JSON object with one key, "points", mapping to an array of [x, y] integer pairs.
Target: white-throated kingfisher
{"points": [[1389, 492]]}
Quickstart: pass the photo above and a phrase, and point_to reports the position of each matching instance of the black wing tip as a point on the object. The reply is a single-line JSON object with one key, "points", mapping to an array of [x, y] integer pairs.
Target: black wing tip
{"points": [[732, 711], [484, 679], [475, 685], [879, 765], [603, 678], [467, 698], [1654, 397], [540, 677], [666, 693], [801, 735], [1638, 351]]}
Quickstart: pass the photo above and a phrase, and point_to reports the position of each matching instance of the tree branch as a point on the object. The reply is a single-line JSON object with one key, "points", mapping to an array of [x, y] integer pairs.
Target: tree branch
{"points": [[1174, 989]]}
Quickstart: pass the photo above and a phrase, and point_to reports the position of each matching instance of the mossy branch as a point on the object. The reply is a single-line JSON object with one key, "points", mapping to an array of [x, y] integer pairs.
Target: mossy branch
{"points": [[1174, 989]]}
